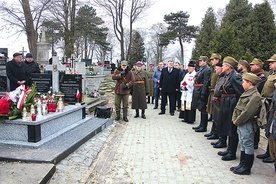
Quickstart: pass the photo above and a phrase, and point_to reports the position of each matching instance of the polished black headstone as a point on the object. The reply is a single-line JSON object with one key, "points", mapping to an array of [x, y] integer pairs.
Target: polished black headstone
{"points": [[3, 83], [43, 81], [68, 85]]}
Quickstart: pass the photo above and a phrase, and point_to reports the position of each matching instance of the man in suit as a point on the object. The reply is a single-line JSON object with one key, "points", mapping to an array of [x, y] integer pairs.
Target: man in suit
{"points": [[169, 85]]}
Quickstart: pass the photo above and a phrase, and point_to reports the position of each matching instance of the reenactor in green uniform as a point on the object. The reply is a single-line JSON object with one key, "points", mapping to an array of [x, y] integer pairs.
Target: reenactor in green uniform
{"points": [[243, 117], [151, 83], [267, 92], [243, 67], [124, 77], [215, 58], [140, 90]]}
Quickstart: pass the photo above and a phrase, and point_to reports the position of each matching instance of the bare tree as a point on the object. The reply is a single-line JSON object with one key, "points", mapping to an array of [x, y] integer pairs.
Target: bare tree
{"points": [[25, 19], [116, 10]]}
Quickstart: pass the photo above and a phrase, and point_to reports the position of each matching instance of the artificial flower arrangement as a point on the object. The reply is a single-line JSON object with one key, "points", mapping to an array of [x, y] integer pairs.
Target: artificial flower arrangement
{"points": [[50, 99], [12, 103]]}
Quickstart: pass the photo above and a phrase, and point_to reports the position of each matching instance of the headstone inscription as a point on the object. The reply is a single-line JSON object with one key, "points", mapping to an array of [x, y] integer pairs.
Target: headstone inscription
{"points": [[69, 85], [3, 83], [43, 81]]}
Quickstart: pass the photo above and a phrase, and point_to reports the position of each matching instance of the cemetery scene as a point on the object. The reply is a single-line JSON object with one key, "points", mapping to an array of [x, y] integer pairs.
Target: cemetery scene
{"points": [[138, 92]]}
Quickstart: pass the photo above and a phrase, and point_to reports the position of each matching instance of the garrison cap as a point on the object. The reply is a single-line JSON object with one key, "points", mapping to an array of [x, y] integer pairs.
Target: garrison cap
{"points": [[139, 63], [273, 58], [203, 58], [231, 61], [251, 77], [244, 63], [124, 62], [257, 62], [215, 56]]}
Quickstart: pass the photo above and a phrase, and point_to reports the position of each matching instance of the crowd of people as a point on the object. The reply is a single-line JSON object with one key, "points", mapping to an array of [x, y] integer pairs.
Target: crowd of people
{"points": [[229, 93]]}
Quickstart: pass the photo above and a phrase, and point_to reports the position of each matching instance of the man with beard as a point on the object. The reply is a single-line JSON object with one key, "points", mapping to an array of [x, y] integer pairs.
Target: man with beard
{"points": [[231, 90], [243, 67], [125, 79]]}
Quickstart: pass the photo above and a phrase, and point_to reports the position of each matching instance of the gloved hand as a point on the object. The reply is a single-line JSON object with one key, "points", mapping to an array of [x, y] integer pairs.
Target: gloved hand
{"points": [[123, 73], [202, 97]]}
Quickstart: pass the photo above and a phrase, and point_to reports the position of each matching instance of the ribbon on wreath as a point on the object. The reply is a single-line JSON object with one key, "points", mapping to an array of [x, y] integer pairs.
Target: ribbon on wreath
{"points": [[22, 98]]}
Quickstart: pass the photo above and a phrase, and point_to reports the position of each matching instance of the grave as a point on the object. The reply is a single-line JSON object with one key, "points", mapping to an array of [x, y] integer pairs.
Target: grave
{"points": [[68, 85]]}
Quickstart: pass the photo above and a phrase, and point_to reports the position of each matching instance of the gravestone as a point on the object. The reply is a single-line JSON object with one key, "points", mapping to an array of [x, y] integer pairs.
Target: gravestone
{"points": [[55, 68], [68, 85], [43, 81], [81, 70], [3, 84], [88, 62], [42, 48]]}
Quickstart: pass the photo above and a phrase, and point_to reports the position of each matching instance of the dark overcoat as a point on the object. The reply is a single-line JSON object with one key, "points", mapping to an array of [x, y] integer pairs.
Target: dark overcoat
{"points": [[140, 88], [231, 91], [17, 72], [169, 82], [201, 78], [127, 80]]}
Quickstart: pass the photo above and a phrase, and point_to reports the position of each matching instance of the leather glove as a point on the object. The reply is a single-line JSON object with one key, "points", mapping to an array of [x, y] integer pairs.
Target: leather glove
{"points": [[123, 73], [202, 97]]}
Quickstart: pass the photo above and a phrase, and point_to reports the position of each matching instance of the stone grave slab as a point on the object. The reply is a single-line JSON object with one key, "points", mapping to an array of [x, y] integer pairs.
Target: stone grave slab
{"points": [[26, 172]]}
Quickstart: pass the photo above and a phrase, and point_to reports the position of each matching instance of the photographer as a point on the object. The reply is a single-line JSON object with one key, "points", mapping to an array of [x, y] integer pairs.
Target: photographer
{"points": [[125, 79]]}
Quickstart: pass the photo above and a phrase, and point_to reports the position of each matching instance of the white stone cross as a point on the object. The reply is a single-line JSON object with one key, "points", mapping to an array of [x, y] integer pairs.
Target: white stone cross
{"points": [[55, 68]]}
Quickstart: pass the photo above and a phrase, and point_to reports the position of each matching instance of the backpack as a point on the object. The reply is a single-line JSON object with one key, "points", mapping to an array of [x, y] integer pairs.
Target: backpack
{"points": [[261, 116]]}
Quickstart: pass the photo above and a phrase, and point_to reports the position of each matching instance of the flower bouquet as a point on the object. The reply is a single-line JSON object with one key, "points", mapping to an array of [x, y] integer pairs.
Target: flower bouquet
{"points": [[12, 103]]}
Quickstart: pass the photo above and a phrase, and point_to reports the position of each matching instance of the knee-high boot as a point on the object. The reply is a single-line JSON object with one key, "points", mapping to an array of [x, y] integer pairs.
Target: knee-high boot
{"points": [[125, 115], [246, 168], [231, 155], [148, 99], [137, 113], [203, 122], [118, 115], [143, 114], [241, 162], [257, 138]]}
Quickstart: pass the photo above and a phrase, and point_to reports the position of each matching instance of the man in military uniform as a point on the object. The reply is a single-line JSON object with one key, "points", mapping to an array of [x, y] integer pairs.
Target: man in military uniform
{"points": [[257, 68], [140, 90], [231, 91], [215, 58], [267, 93], [201, 93], [243, 67], [125, 79]]}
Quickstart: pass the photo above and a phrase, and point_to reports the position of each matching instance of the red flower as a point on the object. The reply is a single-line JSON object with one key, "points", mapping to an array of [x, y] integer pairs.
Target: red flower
{"points": [[184, 84], [4, 106]]}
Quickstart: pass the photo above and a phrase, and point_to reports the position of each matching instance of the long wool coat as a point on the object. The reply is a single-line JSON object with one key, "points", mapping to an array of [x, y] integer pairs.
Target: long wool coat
{"points": [[139, 90], [151, 83]]}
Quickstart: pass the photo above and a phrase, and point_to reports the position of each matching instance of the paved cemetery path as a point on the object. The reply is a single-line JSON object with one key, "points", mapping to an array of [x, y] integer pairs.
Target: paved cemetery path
{"points": [[160, 149]]}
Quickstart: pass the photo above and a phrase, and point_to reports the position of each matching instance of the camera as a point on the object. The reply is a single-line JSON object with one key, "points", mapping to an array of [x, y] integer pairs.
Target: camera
{"points": [[123, 73]]}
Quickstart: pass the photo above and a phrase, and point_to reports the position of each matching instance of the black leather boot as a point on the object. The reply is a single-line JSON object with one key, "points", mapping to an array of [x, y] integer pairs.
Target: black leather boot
{"points": [[212, 137], [118, 115], [232, 151], [152, 100], [221, 143], [148, 99], [197, 127], [257, 138], [246, 168], [137, 113], [241, 162], [203, 122], [125, 115], [143, 114], [265, 155], [223, 153], [209, 134], [213, 130]]}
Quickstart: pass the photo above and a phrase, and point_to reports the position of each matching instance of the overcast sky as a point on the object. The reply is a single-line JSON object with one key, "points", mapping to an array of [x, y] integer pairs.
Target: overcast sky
{"points": [[195, 8]]}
